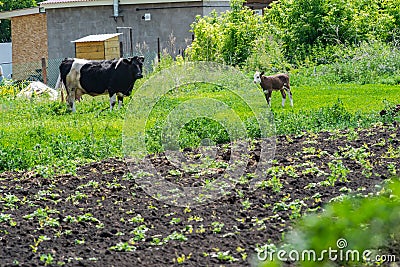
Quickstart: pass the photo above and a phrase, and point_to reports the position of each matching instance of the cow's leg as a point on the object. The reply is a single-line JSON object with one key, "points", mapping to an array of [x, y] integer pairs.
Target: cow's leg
{"points": [[283, 96], [120, 100], [70, 96], [268, 96], [71, 99], [59, 86], [112, 101]]}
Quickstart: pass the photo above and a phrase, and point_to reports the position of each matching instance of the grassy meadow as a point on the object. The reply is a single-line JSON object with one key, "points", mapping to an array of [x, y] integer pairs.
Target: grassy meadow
{"points": [[43, 135], [367, 98]]}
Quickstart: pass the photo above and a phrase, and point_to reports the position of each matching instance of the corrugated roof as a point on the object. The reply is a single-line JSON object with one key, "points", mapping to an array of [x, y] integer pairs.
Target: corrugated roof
{"points": [[49, 4], [63, 1], [19, 12], [96, 37]]}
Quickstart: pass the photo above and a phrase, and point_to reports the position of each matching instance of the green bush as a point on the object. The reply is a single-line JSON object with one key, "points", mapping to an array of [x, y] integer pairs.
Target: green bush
{"points": [[304, 24], [365, 63], [236, 37], [346, 226]]}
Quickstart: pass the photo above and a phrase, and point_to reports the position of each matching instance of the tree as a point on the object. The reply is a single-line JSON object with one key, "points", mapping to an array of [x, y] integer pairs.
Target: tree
{"points": [[7, 5], [306, 24], [227, 38]]}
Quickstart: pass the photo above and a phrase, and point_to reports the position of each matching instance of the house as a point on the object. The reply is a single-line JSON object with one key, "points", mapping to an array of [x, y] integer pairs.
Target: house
{"points": [[29, 40], [154, 24], [5, 59], [258, 5], [147, 27]]}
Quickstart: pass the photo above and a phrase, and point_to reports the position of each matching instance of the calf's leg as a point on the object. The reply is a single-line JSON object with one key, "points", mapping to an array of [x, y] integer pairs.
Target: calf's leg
{"points": [[287, 87], [283, 96], [290, 97], [268, 96]]}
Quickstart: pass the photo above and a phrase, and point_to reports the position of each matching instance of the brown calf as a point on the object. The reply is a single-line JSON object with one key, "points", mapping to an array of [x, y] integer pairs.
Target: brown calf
{"points": [[277, 82]]}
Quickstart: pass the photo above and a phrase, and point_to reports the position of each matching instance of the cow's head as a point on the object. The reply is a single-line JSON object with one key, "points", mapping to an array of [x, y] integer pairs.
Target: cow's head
{"points": [[132, 69], [135, 66], [257, 76]]}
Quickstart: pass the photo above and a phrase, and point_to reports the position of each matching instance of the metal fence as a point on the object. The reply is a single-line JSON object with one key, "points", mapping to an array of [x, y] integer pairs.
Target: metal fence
{"points": [[47, 70], [44, 70]]}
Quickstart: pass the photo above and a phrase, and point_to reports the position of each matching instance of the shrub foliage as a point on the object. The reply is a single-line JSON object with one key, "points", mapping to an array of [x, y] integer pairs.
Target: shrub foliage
{"points": [[304, 33]]}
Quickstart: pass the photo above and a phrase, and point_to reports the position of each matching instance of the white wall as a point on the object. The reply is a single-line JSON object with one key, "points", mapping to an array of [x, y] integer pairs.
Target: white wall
{"points": [[6, 58]]}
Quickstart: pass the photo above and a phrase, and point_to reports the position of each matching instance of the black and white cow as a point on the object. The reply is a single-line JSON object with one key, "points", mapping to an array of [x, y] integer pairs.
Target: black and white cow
{"points": [[99, 77]]}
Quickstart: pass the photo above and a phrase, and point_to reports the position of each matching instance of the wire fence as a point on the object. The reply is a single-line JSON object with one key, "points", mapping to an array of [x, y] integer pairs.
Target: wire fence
{"points": [[47, 70]]}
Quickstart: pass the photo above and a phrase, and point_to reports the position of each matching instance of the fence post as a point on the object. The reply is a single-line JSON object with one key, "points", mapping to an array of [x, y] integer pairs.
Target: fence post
{"points": [[131, 40], [158, 50], [44, 71]]}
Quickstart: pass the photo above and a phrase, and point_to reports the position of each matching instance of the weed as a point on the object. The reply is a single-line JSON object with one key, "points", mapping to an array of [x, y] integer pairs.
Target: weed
{"points": [[181, 259], [156, 241], [10, 201], [175, 236], [76, 197], [201, 229], [47, 259], [217, 227], [338, 172], [52, 222], [275, 184], [114, 185], [37, 242], [175, 221], [223, 256], [188, 229], [392, 169], [195, 218], [139, 232], [137, 219], [91, 183], [5, 217], [246, 204], [123, 246], [87, 217], [79, 241]]}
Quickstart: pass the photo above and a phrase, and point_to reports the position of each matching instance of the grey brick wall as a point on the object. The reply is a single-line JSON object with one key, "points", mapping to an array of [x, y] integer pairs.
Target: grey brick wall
{"points": [[169, 22]]}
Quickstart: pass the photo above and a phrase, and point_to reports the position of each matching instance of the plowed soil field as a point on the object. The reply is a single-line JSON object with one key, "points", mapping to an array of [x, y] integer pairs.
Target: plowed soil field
{"points": [[102, 217]]}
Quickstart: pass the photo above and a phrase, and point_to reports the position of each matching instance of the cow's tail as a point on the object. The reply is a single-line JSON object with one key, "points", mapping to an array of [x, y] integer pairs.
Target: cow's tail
{"points": [[60, 86]]}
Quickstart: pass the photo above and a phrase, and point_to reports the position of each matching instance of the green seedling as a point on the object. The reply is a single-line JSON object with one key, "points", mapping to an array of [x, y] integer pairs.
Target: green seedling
{"points": [[223, 256], [123, 246], [175, 236], [47, 259], [37, 242], [217, 227], [181, 259]]}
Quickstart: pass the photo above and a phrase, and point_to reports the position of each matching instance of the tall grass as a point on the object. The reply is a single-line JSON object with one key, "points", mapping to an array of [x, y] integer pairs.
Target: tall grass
{"points": [[40, 133], [371, 62], [331, 117]]}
